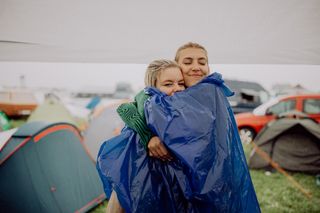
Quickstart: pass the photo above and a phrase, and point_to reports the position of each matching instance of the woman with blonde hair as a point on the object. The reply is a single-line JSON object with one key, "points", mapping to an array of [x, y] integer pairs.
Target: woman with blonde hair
{"points": [[164, 75]]}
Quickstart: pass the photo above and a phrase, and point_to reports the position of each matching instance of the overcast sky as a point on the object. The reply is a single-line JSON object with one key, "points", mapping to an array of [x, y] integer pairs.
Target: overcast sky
{"points": [[92, 75]]}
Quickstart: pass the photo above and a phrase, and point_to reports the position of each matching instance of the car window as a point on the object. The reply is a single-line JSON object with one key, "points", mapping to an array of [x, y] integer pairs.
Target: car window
{"points": [[311, 106], [283, 106], [261, 110]]}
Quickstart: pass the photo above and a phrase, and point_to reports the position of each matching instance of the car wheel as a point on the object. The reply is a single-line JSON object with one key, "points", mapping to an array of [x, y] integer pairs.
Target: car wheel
{"points": [[246, 135]]}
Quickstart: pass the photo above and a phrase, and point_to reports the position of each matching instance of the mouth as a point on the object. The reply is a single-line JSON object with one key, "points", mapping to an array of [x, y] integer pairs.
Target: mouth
{"points": [[196, 75]]}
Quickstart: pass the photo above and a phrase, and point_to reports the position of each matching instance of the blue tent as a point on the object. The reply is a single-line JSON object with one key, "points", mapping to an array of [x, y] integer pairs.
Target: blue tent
{"points": [[45, 168]]}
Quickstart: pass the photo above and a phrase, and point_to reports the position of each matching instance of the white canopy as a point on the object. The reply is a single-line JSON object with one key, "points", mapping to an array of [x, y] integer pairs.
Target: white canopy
{"points": [[234, 32]]}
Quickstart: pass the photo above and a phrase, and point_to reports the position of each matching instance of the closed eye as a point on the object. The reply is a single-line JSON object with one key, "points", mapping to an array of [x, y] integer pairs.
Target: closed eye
{"points": [[187, 61], [181, 83], [168, 84], [202, 61]]}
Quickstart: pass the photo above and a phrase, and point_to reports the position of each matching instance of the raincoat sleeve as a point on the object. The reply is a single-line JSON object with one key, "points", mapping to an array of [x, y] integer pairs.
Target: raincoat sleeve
{"points": [[133, 116]]}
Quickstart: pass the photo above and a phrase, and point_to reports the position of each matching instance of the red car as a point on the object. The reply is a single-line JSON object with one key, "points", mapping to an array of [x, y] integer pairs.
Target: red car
{"points": [[249, 124]]}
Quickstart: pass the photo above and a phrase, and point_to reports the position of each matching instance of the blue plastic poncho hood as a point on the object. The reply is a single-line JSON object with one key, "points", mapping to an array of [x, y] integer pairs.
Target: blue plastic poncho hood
{"points": [[209, 173]]}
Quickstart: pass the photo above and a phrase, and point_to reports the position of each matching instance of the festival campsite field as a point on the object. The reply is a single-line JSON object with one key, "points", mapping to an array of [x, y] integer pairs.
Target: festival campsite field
{"points": [[276, 194]]}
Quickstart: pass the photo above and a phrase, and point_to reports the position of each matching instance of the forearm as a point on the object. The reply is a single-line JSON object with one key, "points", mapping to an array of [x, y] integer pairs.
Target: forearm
{"points": [[133, 116]]}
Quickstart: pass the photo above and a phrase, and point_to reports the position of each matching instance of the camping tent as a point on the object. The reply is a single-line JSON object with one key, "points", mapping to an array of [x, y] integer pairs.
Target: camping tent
{"points": [[5, 137], [52, 110], [45, 168], [105, 124], [292, 143]]}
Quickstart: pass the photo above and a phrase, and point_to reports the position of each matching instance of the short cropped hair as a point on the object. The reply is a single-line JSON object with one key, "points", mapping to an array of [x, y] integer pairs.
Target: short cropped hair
{"points": [[189, 45], [154, 69]]}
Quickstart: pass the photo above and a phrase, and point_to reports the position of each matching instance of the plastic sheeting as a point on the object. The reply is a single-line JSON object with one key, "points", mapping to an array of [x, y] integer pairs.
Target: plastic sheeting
{"points": [[209, 171]]}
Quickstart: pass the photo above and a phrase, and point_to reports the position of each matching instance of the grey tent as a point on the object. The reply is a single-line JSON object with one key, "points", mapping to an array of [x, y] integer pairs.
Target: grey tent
{"points": [[292, 143], [45, 168], [104, 125]]}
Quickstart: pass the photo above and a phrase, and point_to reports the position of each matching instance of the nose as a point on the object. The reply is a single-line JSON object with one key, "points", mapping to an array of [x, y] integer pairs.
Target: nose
{"points": [[195, 68]]}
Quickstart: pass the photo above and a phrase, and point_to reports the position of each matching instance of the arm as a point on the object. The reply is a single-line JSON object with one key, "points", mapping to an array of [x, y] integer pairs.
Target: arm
{"points": [[133, 115]]}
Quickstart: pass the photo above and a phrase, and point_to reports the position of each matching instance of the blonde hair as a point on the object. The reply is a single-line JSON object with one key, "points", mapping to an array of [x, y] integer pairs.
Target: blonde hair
{"points": [[189, 45], [154, 69]]}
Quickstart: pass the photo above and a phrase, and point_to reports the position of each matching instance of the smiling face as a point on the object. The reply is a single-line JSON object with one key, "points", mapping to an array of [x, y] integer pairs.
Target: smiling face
{"points": [[194, 65], [170, 80]]}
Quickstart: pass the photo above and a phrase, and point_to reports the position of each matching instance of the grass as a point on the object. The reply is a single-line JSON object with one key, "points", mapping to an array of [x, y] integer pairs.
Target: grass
{"points": [[275, 193], [100, 208]]}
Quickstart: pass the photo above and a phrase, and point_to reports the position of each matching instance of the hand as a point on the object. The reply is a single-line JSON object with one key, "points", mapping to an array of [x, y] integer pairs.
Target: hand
{"points": [[158, 150]]}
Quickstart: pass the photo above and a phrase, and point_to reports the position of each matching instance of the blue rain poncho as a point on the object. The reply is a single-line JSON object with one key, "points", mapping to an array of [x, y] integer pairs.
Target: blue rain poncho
{"points": [[209, 171]]}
